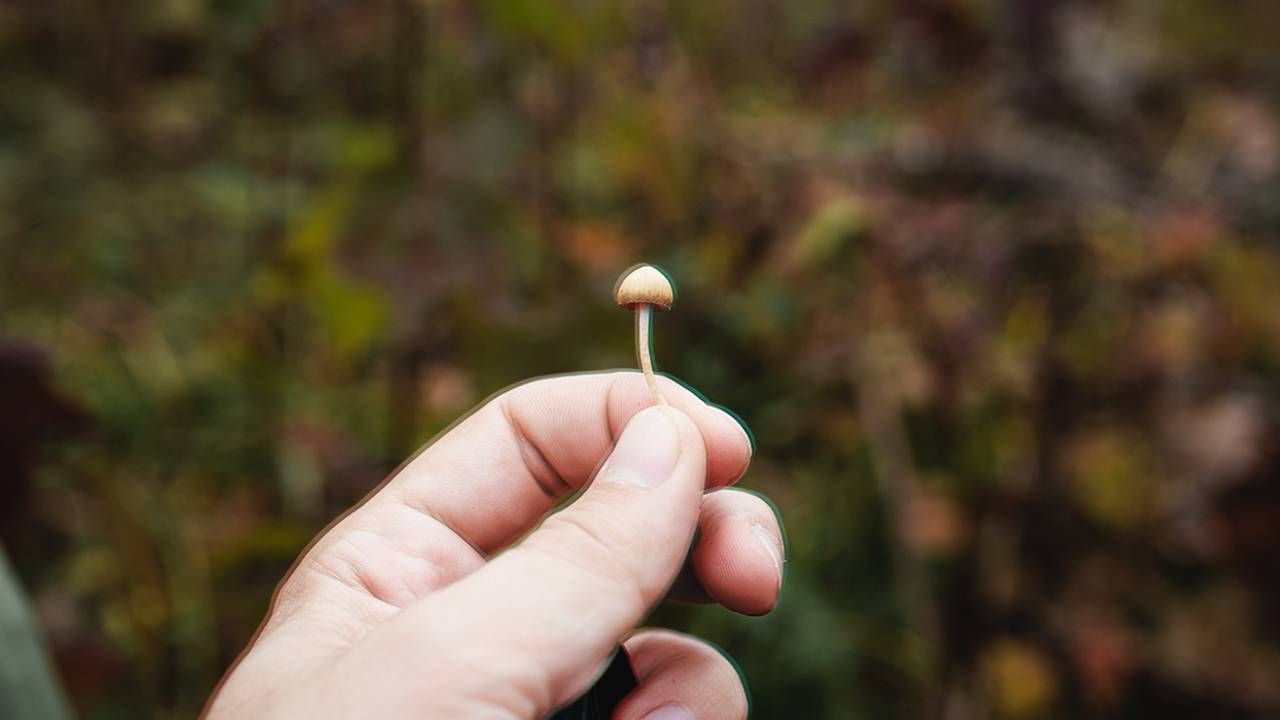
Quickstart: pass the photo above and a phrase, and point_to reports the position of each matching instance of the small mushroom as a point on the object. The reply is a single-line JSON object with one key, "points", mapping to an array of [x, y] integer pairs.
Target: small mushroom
{"points": [[643, 288]]}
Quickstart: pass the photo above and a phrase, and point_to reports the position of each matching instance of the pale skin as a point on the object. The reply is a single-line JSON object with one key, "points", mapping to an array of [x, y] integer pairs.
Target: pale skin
{"points": [[446, 594]]}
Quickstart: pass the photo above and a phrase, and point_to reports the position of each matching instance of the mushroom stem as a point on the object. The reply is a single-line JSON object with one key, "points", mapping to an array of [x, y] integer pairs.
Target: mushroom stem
{"points": [[644, 350]]}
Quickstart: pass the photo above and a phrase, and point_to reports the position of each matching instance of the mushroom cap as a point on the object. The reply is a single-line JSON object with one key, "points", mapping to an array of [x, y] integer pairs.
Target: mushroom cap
{"points": [[644, 284]]}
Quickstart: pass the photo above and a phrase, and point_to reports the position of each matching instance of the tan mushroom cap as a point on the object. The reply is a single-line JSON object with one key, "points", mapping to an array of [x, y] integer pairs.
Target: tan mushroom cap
{"points": [[644, 284]]}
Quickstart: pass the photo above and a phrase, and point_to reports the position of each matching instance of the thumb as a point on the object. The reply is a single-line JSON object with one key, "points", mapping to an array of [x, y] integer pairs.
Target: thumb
{"points": [[533, 626]]}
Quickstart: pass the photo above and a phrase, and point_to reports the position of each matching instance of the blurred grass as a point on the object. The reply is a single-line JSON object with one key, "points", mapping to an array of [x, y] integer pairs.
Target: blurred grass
{"points": [[993, 283]]}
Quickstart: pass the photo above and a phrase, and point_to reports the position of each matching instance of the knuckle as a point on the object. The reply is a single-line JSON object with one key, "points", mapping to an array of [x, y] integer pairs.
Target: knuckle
{"points": [[738, 684], [720, 672], [590, 549]]}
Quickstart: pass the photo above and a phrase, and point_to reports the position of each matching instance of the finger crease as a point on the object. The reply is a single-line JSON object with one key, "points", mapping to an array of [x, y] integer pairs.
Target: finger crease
{"points": [[544, 474], [608, 410], [418, 503]]}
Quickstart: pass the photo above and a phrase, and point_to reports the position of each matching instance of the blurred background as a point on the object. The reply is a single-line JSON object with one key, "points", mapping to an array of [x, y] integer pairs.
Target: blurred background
{"points": [[994, 283]]}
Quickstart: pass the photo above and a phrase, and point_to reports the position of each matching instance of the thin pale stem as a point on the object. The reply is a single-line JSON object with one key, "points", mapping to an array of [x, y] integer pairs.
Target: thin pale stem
{"points": [[644, 350]]}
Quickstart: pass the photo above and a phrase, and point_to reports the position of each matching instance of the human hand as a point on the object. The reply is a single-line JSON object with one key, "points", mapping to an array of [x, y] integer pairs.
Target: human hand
{"points": [[432, 598]]}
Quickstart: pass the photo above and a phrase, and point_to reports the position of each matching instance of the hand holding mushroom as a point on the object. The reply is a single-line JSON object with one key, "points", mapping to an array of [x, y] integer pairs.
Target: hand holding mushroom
{"points": [[437, 597]]}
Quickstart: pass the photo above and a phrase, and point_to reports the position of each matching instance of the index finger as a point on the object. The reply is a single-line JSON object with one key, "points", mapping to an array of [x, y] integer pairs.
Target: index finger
{"points": [[498, 471]]}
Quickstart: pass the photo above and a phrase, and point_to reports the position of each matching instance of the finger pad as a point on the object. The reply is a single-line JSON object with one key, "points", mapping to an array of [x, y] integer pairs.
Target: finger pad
{"points": [[734, 570]]}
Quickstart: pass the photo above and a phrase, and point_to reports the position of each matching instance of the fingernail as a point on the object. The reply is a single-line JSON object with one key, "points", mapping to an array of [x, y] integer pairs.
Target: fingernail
{"points": [[770, 543], [670, 711], [749, 436], [647, 451]]}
